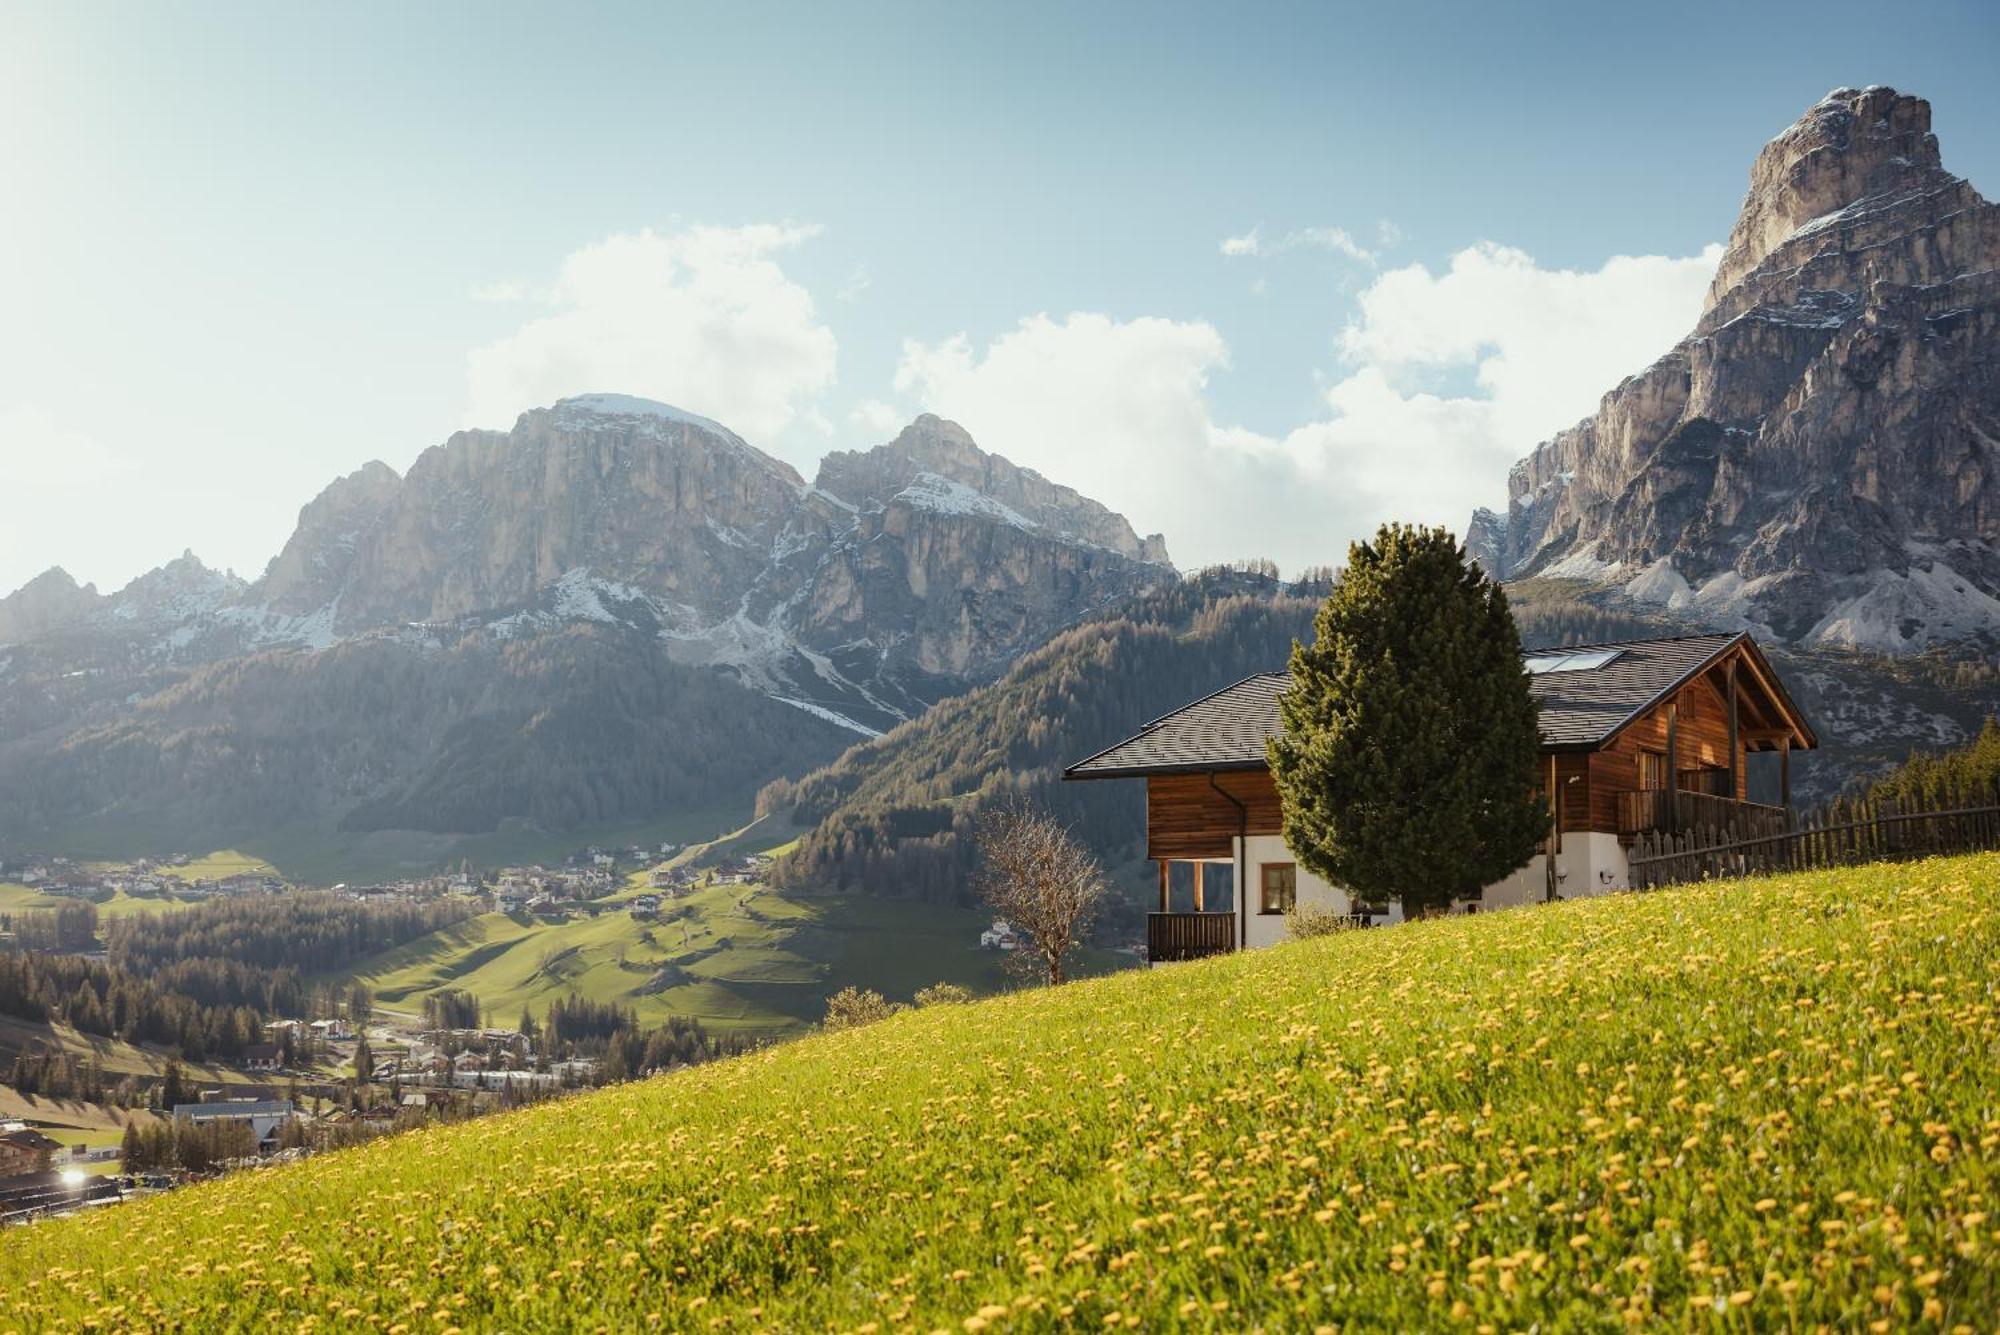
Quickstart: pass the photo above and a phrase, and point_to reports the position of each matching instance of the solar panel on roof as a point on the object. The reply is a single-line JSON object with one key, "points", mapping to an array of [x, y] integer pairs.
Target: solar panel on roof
{"points": [[1588, 660]]}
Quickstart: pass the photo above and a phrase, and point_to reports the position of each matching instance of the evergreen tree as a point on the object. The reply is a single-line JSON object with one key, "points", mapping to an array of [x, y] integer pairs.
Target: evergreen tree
{"points": [[172, 1092], [1408, 762]]}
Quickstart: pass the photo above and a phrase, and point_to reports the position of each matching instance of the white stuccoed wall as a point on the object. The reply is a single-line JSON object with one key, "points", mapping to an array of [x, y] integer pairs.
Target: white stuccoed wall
{"points": [[1589, 864]]}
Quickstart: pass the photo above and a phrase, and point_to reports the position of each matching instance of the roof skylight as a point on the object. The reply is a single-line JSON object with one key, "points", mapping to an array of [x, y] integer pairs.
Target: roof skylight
{"points": [[1568, 660]]}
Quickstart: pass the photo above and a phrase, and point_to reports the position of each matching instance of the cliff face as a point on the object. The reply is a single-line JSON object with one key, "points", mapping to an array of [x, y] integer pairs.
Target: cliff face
{"points": [[907, 570], [1820, 458], [530, 615]]}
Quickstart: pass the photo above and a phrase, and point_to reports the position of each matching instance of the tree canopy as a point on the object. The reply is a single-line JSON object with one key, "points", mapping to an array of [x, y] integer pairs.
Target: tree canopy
{"points": [[1408, 761]]}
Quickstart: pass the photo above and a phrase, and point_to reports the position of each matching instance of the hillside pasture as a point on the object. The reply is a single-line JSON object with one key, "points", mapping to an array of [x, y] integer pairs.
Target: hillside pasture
{"points": [[1746, 1105]]}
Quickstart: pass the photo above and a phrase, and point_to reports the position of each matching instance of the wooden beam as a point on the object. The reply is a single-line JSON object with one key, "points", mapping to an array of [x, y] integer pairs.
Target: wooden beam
{"points": [[1163, 885], [1785, 773], [1199, 869], [1735, 754], [1672, 799], [1771, 693]]}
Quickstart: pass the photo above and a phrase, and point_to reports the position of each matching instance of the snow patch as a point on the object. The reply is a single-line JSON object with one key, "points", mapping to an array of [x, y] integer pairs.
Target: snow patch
{"points": [[941, 495], [628, 405], [834, 717]]}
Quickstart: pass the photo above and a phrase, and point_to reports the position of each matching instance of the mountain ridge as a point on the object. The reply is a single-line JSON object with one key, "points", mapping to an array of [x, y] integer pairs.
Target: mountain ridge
{"points": [[1819, 460]]}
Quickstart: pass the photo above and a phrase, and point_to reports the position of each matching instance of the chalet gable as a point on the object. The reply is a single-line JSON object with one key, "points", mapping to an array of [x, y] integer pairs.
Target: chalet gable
{"points": [[1589, 696]]}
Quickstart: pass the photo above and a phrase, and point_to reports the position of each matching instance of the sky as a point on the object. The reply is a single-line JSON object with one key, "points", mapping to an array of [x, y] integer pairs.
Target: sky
{"points": [[1260, 277]]}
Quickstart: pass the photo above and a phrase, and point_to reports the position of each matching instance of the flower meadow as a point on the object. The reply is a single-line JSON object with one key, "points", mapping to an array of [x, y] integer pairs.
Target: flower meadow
{"points": [[1761, 1105]]}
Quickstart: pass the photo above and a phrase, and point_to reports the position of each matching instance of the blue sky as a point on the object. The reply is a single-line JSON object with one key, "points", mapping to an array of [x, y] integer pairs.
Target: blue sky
{"points": [[244, 249]]}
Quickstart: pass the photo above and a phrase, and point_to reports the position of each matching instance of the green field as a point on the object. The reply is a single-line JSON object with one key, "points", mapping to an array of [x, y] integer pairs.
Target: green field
{"points": [[1753, 1105], [17, 897], [318, 853], [742, 959]]}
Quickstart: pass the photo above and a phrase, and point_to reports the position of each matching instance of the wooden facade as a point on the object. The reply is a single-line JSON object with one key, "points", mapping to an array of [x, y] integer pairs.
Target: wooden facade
{"points": [[1692, 733]]}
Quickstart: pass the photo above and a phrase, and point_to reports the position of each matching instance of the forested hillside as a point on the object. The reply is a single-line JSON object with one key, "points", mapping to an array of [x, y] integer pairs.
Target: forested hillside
{"points": [[894, 815], [589, 724]]}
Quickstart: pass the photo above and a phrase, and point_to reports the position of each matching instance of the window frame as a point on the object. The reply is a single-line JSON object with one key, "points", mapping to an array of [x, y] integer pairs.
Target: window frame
{"points": [[1264, 870]]}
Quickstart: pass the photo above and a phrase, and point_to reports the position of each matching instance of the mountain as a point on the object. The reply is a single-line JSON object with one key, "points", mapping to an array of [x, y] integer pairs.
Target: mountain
{"points": [[562, 623], [1820, 458]]}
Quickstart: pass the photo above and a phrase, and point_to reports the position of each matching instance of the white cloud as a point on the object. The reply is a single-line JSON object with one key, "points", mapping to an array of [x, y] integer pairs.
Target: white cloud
{"points": [[878, 420], [501, 291], [1246, 244], [859, 280], [703, 318], [1121, 409], [1338, 240], [1543, 344]]}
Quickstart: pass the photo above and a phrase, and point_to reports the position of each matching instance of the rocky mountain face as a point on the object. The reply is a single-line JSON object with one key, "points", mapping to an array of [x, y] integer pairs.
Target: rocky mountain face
{"points": [[604, 529], [1819, 459]]}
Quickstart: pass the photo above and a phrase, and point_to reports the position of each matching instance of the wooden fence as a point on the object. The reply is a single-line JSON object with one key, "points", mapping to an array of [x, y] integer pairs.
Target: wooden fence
{"points": [[1842, 833]]}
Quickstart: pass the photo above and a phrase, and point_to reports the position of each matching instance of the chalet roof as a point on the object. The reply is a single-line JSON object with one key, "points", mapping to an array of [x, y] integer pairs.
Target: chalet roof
{"points": [[29, 1138], [1580, 710]]}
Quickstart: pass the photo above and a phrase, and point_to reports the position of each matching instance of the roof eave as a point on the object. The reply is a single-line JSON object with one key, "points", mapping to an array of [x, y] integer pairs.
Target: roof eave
{"points": [[1150, 771]]}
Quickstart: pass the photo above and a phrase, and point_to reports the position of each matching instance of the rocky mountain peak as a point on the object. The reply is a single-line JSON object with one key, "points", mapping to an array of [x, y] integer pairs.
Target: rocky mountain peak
{"points": [[50, 601], [932, 450], [1820, 458], [1849, 147]]}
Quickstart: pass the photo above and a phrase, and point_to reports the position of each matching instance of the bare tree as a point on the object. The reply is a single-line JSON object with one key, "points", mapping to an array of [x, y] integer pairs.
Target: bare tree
{"points": [[1039, 878]]}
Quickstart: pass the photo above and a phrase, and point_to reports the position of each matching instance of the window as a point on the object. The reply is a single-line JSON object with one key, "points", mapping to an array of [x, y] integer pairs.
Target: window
{"points": [[1281, 886], [1652, 771], [1568, 660]]}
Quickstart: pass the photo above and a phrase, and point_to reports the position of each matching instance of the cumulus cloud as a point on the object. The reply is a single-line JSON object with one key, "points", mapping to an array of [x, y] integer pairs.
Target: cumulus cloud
{"points": [[1443, 381], [1544, 344], [878, 420], [703, 317], [1119, 410]]}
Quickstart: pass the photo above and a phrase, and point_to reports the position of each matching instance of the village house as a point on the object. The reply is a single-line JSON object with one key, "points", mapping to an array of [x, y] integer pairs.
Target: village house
{"points": [[333, 1029], [265, 1117], [1637, 736], [262, 1057], [25, 1150]]}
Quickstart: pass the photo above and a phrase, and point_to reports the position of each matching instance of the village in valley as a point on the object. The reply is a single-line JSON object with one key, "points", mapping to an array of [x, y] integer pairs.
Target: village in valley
{"points": [[1008, 670]]}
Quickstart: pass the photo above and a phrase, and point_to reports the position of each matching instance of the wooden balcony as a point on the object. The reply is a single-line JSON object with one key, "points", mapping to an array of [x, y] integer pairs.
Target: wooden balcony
{"points": [[1656, 809], [1189, 936]]}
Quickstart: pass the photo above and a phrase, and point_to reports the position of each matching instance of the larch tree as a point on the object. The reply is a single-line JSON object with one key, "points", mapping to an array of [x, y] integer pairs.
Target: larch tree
{"points": [[1408, 761]]}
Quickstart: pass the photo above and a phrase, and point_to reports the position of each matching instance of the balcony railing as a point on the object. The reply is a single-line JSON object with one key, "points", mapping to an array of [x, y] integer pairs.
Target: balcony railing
{"points": [[1653, 809], [1189, 936]]}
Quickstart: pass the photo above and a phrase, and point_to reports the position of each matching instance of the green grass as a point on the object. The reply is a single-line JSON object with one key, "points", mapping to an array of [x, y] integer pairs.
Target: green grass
{"points": [[318, 853], [17, 897], [220, 864], [744, 960], [1756, 1105]]}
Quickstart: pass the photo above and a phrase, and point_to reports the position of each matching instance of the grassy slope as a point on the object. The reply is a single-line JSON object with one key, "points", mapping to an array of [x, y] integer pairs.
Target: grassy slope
{"points": [[1755, 1104], [744, 959]]}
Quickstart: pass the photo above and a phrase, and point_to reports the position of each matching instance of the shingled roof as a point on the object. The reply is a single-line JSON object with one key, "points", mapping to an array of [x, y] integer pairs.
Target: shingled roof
{"points": [[1580, 710]]}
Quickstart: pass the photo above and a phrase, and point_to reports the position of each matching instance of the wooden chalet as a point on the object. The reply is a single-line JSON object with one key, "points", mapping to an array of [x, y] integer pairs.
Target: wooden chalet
{"points": [[1636, 735]]}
